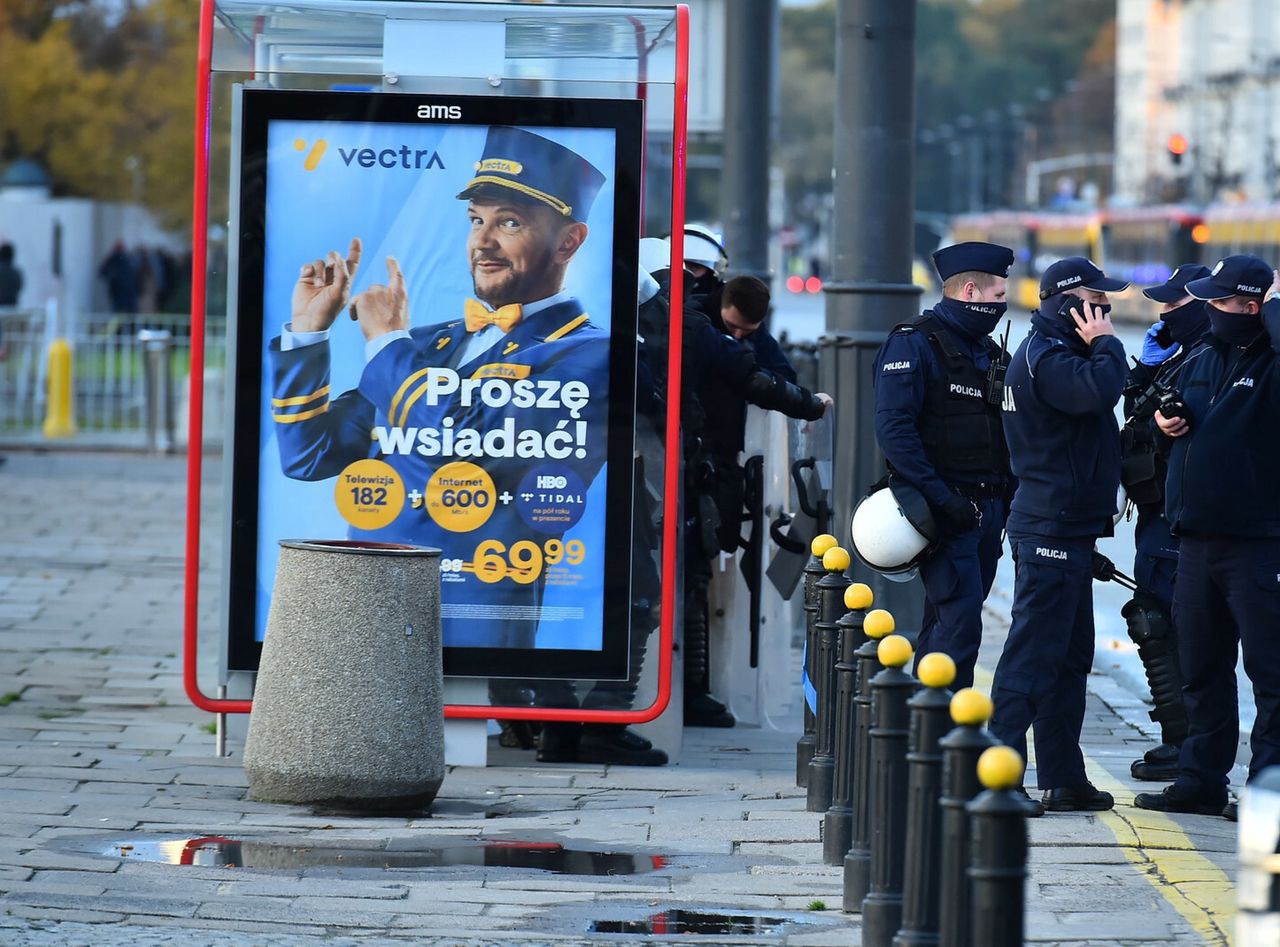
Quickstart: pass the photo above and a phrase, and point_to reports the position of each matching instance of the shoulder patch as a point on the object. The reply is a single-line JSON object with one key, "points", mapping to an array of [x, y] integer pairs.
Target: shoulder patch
{"points": [[898, 367]]}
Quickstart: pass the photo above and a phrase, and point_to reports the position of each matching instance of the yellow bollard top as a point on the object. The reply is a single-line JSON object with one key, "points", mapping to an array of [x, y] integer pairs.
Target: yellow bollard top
{"points": [[835, 559], [878, 623], [894, 651], [858, 596], [970, 707], [822, 543], [936, 669], [1000, 767]]}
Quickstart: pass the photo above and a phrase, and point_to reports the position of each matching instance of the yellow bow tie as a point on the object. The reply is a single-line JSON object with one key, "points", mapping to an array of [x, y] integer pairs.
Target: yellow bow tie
{"points": [[477, 316]]}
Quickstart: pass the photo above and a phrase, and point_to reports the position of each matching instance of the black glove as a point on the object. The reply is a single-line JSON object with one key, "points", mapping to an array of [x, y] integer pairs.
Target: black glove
{"points": [[959, 514]]}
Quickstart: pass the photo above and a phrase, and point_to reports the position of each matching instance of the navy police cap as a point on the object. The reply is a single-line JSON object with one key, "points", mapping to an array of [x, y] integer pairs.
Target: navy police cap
{"points": [[1175, 287], [973, 257], [1239, 275], [1077, 272], [534, 169]]}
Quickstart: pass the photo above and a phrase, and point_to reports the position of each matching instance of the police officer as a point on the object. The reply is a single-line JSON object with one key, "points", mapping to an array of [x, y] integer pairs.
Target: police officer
{"points": [[1168, 343], [1222, 501], [1063, 384], [938, 423], [733, 362]]}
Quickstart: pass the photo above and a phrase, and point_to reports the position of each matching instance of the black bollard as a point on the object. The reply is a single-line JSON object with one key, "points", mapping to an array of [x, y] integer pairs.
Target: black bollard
{"points": [[837, 825], [822, 768], [998, 851], [891, 719], [857, 861], [930, 721], [970, 709], [812, 573]]}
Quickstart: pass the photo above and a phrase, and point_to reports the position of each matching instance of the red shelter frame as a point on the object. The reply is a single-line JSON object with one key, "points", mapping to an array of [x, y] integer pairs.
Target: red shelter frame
{"points": [[671, 472]]}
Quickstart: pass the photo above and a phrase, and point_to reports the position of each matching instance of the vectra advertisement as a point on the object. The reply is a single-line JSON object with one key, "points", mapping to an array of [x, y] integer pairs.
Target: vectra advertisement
{"points": [[435, 344]]}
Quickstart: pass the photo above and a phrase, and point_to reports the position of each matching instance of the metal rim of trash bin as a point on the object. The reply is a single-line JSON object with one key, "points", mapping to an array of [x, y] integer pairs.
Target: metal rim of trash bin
{"points": [[360, 546]]}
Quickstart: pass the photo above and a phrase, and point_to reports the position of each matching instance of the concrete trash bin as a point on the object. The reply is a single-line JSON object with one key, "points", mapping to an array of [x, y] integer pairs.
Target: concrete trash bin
{"points": [[348, 708]]}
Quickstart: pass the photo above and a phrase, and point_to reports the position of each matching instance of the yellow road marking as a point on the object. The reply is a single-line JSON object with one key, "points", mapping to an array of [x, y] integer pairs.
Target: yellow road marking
{"points": [[1194, 886]]}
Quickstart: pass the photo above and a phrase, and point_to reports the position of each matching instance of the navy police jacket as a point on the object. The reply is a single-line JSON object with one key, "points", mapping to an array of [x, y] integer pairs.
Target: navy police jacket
{"points": [[911, 386], [1224, 474], [1059, 421]]}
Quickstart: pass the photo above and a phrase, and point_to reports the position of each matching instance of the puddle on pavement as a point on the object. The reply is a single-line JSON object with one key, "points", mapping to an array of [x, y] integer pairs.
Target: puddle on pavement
{"points": [[693, 922], [220, 852]]}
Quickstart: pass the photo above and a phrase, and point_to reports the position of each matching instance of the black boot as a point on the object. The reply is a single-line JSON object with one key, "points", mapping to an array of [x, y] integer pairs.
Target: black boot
{"points": [[610, 743], [703, 710], [559, 742], [1158, 765]]}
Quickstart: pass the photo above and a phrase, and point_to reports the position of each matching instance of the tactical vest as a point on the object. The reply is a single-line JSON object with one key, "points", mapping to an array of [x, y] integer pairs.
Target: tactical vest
{"points": [[961, 430]]}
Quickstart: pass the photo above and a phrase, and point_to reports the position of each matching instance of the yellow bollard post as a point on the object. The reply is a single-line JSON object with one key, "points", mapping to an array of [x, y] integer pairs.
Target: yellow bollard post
{"points": [[59, 417]]}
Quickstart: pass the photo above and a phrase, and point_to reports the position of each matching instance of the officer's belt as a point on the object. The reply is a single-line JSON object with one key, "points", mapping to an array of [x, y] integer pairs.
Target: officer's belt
{"points": [[983, 489]]}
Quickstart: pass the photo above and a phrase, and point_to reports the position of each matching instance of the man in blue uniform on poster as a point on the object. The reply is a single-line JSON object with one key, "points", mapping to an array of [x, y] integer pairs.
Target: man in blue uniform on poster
{"points": [[479, 434], [1221, 501], [1061, 390], [938, 423]]}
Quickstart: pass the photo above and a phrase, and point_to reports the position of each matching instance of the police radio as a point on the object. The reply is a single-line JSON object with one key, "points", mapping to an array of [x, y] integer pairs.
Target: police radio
{"points": [[995, 371]]}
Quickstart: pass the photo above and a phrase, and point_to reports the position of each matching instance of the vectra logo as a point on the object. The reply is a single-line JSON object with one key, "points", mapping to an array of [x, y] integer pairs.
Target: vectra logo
{"points": [[313, 156], [422, 159]]}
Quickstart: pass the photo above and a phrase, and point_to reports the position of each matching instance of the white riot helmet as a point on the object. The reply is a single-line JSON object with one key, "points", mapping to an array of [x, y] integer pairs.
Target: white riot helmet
{"points": [[655, 254], [703, 247], [893, 531]]}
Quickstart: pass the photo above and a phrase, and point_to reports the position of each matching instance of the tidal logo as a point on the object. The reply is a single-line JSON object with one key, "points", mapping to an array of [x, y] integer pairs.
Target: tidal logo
{"points": [[420, 159]]}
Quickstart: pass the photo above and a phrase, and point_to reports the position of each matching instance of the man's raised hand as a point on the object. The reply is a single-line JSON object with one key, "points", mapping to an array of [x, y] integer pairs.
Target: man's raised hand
{"points": [[382, 309], [1093, 323], [323, 288]]}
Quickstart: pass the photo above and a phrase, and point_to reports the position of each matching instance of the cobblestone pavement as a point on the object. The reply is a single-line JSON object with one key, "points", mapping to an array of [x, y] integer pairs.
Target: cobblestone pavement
{"points": [[99, 749]]}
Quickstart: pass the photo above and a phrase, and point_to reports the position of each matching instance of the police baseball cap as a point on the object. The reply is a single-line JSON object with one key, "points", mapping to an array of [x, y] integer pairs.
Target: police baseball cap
{"points": [[1175, 287], [973, 256], [520, 164], [1239, 275], [1077, 272]]}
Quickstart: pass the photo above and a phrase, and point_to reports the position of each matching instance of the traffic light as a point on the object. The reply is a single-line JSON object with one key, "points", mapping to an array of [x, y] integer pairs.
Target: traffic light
{"points": [[1177, 145]]}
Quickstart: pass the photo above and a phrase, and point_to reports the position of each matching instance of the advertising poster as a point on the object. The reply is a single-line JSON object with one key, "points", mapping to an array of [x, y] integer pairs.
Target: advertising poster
{"points": [[436, 346]]}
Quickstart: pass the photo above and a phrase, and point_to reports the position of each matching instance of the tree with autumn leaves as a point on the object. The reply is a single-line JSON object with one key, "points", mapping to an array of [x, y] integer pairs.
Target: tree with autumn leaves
{"points": [[102, 95]]}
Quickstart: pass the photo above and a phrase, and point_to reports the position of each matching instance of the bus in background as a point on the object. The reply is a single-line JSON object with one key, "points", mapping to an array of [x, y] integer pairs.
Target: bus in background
{"points": [[1015, 230], [1144, 245], [1242, 228]]}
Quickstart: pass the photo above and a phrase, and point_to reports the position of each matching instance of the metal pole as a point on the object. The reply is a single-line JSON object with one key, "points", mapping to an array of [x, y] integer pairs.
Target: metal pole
{"points": [[892, 688], [750, 65], [970, 709], [857, 862], [998, 867], [837, 825], [930, 721], [830, 589], [813, 571], [870, 290]]}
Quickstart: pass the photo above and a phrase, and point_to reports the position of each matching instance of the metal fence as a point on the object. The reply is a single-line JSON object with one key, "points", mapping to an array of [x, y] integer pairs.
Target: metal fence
{"points": [[110, 391]]}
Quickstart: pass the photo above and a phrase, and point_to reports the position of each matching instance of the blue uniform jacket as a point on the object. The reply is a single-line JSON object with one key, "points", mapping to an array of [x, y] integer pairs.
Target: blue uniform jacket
{"points": [[1059, 422], [906, 367], [1224, 474], [319, 437]]}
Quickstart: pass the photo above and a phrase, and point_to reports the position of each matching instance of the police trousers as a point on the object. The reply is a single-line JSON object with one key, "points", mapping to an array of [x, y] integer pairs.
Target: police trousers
{"points": [[1227, 598], [1040, 680], [957, 578]]}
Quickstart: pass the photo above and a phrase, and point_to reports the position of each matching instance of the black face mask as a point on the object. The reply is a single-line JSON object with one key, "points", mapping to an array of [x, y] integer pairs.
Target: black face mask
{"points": [[1184, 325], [974, 318], [1234, 328]]}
